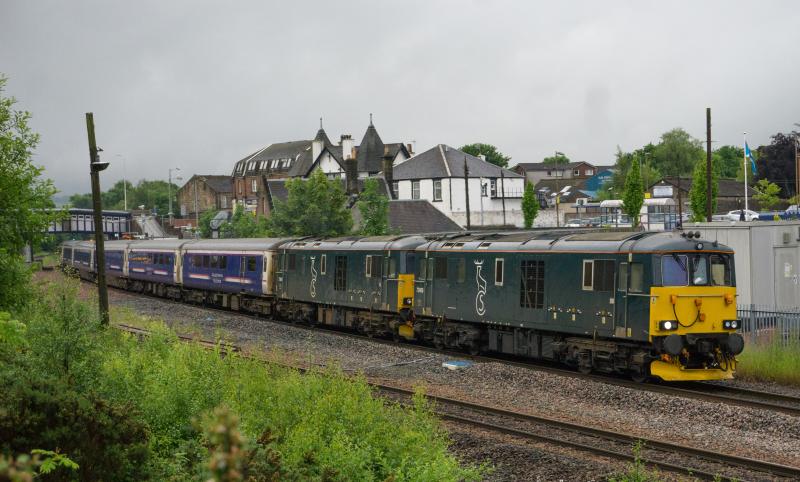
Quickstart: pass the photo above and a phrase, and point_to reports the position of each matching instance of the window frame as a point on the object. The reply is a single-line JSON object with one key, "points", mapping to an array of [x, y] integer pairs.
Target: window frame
{"points": [[502, 263], [536, 268], [590, 285], [323, 263], [340, 273], [437, 189], [415, 189]]}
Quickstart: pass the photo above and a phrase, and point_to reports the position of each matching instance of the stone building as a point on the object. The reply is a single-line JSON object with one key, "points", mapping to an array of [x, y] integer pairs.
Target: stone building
{"points": [[203, 193]]}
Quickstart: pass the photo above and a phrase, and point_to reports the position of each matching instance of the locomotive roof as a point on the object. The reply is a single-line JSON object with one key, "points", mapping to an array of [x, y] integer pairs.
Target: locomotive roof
{"points": [[602, 241], [354, 243]]}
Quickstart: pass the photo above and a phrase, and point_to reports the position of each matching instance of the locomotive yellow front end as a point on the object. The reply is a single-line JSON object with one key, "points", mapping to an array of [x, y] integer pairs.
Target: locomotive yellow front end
{"points": [[693, 320]]}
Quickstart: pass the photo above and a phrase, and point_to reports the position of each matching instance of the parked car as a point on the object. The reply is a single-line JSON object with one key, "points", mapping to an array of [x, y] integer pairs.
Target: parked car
{"points": [[748, 215], [578, 223]]}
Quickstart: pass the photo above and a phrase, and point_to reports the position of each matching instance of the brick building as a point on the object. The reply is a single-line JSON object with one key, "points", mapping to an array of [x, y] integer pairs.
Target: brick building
{"points": [[206, 192]]}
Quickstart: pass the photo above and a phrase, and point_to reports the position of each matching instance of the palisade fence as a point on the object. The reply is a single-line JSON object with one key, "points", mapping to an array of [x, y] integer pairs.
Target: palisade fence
{"points": [[765, 323]]}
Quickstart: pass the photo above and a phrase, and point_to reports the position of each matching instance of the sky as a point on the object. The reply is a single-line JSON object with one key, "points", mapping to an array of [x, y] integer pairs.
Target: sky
{"points": [[199, 85]]}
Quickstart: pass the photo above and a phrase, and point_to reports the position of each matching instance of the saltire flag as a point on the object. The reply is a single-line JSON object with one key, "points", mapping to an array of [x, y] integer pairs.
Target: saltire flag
{"points": [[749, 155]]}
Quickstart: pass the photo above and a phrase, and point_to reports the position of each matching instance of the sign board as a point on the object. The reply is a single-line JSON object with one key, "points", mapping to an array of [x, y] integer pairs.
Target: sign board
{"points": [[662, 191]]}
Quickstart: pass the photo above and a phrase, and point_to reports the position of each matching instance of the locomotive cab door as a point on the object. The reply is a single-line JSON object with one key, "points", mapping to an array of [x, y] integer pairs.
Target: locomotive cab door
{"points": [[621, 300], [423, 286]]}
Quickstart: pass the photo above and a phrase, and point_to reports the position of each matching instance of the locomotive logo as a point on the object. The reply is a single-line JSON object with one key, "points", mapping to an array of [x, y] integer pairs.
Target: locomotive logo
{"points": [[480, 307], [313, 287]]}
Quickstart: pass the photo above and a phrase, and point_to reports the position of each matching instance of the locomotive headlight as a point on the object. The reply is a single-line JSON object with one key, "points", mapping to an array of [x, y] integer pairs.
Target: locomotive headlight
{"points": [[699, 246], [730, 324], [407, 301], [668, 325]]}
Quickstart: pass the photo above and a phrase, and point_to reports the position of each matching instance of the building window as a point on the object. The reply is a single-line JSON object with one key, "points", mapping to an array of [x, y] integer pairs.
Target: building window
{"points": [[493, 187], [223, 202], [590, 172], [254, 185], [396, 189], [483, 189], [531, 291], [340, 276], [437, 189], [414, 189], [576, 172], [499, 263]]}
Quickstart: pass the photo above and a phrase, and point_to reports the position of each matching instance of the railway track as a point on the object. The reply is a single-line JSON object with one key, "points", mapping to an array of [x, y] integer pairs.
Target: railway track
{"points": [[666, 456], [715, 393]]}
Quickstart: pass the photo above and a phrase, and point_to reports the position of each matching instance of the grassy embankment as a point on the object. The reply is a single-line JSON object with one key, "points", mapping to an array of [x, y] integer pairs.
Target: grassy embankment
{"points": [[772, 361], [168, 410]]}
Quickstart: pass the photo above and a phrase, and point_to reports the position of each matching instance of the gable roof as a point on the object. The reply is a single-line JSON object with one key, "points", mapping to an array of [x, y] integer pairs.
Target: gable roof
{"points": [[540, 166], [289, 152], [444, 161], [415, 216], [221, 184]]}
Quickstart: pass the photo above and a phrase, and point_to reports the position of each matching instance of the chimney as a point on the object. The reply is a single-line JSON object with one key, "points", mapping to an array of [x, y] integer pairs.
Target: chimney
{"points": [[351, 175], [482, 156], [410, 149], [346, 141], [316, 148], [388, 170]]}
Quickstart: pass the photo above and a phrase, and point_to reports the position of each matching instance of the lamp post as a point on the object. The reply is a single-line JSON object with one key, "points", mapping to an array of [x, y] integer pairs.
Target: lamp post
{"points": [[95, 166], [169, 191]]}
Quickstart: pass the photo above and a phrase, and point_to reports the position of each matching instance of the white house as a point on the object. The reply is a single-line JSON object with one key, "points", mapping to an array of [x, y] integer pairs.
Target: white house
{"points": [[437, 175]]}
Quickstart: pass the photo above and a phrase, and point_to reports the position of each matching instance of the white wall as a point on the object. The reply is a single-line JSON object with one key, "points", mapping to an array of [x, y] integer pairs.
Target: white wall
{"points": [[329, 165], [484, 210]]}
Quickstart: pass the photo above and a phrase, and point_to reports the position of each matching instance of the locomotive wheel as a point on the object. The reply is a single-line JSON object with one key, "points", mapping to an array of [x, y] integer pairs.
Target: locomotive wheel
{"points": [[640, 376], [584, 369]]}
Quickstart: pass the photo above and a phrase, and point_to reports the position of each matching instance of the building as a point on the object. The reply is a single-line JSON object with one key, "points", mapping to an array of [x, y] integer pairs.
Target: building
{"points": [[537, 171], [299, 158], [203, 193], [492, 196], [414, 217], [730, 193]]}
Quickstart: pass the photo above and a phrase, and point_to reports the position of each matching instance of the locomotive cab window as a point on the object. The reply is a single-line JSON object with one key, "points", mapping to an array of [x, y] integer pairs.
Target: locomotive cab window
{"points": [[598, 275], [323, 263], [373, 266], [499, 264], [720, 270]]}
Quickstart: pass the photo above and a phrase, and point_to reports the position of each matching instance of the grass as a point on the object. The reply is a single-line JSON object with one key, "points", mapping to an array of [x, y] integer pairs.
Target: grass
{"points": [[323, 425], [772, 361]]}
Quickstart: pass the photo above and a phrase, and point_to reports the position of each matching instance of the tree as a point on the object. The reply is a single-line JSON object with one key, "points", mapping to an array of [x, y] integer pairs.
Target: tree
{"points": [[242, 225], [530, 205], [150, 194], [313, 207], [26, 206], [204, 223], [729, 161], [677, 153], [374, 208], [492, 154], [556, 160], [766, 193], [697, 196], [776, 162], [624, 160], [633, 197], [82, 201]]}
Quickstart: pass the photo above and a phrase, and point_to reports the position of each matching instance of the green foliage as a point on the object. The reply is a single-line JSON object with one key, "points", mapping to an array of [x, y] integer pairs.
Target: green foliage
{"points": [[729, 160], [766, 193], [150, 194], [677, 153], [633, 197], [24, 467], [374, 208], [313, 207], [776, 161], [15, 278], [637, 471], [493, 155], [555, 160], [53, 460], [697, 195], [622, 164], [204, 224], [242, 225], [771, 361], [530, 205]]}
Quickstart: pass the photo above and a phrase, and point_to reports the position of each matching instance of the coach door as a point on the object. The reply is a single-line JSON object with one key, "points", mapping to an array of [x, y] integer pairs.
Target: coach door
{"points": [[268, 273]]}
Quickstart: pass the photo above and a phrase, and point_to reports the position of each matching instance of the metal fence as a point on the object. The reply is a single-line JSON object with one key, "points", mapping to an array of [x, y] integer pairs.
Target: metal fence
{"points": [[763, 322]]}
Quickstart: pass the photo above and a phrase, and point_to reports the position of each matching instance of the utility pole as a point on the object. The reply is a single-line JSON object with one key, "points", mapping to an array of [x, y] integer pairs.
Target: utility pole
{"points": [[466, 187], [708, 164], [503, 194], [95, 166]]}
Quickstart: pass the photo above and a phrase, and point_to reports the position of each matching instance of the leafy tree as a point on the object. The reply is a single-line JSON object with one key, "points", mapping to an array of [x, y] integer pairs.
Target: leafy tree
{"points": [[205, 223], [243, 225], [622, 164], [766, 193], [556, 160], [150, 194], [530, 205], [26, 206], [776, 162], [729, 161], [374, 208], [81, 201], [633, 197], [492, 154], [677, 153], [313, 207], [697, 196]]}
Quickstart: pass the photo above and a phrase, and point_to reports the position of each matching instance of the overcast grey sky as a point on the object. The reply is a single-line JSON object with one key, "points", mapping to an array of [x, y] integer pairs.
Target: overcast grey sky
{"points": [[199, 85]]}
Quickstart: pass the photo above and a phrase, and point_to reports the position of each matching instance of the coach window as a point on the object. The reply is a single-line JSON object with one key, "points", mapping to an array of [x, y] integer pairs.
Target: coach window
{"points": [[251, 263], [440, 268], [214, 261], [323, 263], [206, 261], [499, 264]]}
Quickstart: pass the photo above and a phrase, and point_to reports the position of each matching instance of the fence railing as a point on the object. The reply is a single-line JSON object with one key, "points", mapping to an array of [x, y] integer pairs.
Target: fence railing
{"points": [[770, 322]]}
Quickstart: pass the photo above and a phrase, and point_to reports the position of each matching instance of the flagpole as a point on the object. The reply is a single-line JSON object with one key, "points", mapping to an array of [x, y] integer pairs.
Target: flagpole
{"points": [[744, 168]]}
